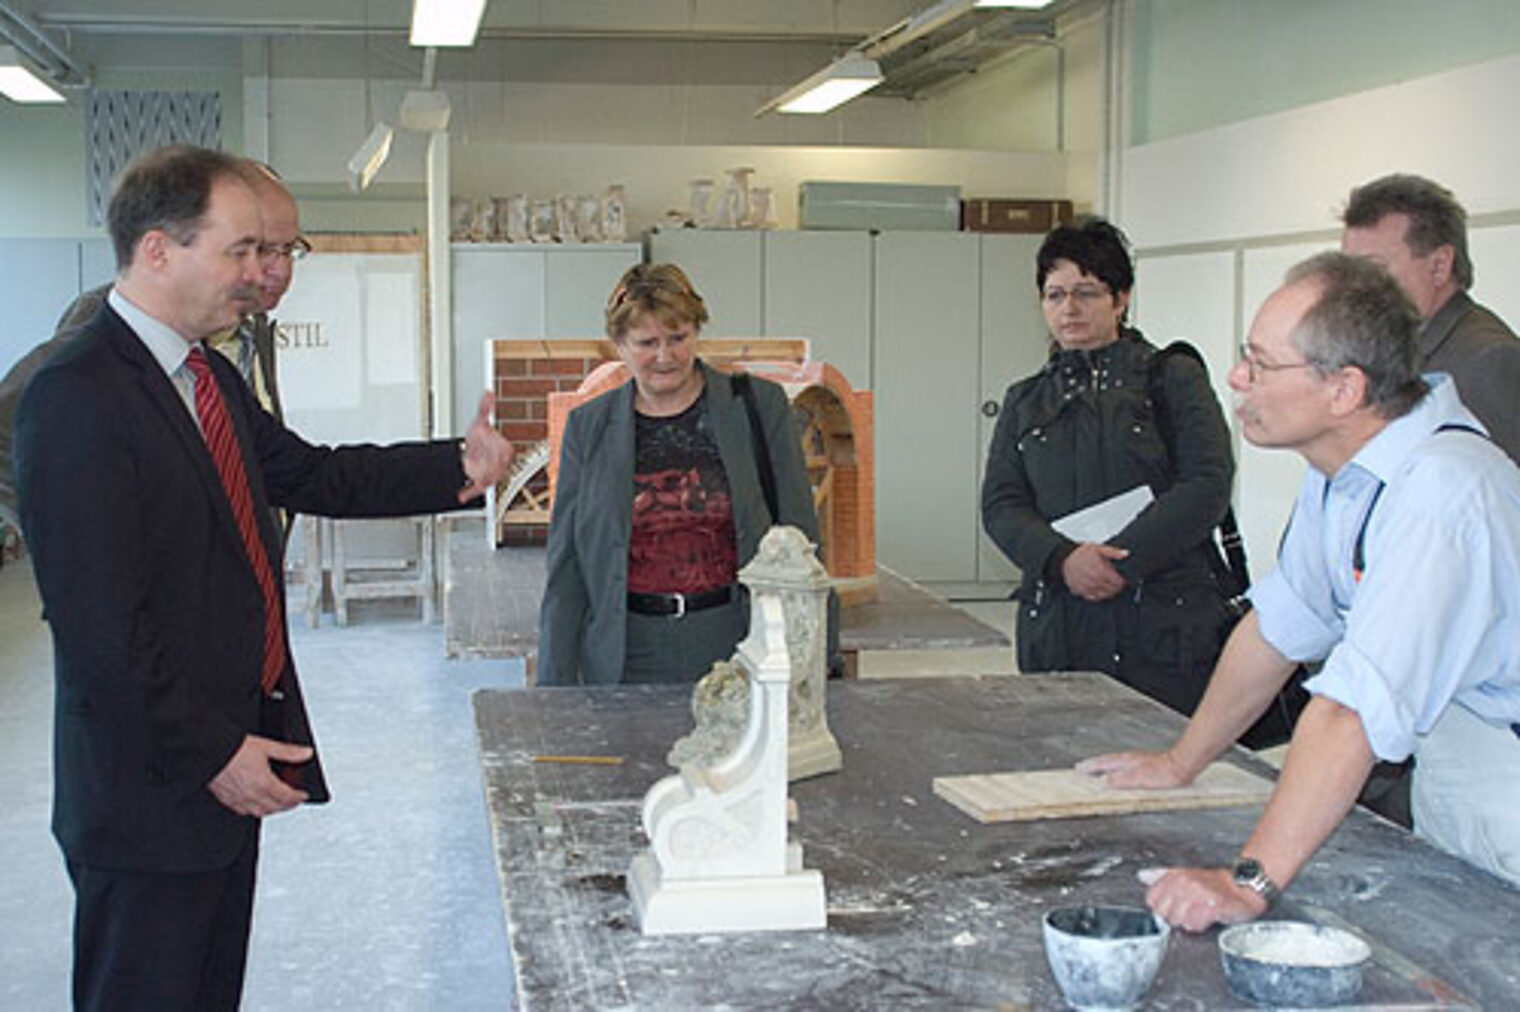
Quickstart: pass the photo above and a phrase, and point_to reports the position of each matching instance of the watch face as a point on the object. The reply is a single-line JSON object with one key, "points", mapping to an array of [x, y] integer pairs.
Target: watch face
{"points": [[1248, 871], [1249, 874]]}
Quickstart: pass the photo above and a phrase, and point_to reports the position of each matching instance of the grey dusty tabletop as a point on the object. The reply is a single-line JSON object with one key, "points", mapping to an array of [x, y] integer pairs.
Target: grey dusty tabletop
{"points": [[927, 907], [491, 601]]}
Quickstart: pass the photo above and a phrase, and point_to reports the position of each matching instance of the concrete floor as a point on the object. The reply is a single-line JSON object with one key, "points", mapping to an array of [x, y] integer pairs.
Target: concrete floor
{"points": [[388, 896]]}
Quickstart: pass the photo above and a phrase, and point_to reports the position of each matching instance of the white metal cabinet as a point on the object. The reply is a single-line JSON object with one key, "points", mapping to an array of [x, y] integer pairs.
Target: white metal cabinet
{"points": [[498, 293], [1014, 344], [725, 267], [577, 281], [818, 285], [504, 290], [927, 345]]}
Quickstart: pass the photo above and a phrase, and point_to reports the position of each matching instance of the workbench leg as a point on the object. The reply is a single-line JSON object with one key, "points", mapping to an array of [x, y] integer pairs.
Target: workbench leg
{"points": [[340, 574], [425, 570]]}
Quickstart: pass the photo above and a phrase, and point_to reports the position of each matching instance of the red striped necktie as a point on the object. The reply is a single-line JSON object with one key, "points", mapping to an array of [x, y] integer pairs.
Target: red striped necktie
{"points": [[216, 427]]}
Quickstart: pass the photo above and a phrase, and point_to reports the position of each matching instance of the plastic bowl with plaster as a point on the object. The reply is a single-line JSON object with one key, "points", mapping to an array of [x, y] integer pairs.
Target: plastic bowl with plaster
{"points": [[1104, 957], [1289, 963]]}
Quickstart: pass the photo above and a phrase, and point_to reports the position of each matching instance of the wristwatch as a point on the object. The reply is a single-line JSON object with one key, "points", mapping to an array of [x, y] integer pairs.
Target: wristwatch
{"points": [[1249, 873]]}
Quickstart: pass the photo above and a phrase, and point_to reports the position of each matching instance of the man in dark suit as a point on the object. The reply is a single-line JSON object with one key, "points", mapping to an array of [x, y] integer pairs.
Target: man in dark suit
{"points": [[146, 469], [1416, 229]]}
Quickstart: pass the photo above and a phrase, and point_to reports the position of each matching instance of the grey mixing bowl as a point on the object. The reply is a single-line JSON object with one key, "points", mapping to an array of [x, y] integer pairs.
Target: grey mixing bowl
{"points": [[1289, 963], [1104, 957]]}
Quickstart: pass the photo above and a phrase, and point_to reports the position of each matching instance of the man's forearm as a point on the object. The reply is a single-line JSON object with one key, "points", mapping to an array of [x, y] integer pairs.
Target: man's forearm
{"points": [[1328, 762], [1249, 675]]}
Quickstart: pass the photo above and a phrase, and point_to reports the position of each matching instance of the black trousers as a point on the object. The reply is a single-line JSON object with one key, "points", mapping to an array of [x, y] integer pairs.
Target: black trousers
{"points": [[162, 942]]}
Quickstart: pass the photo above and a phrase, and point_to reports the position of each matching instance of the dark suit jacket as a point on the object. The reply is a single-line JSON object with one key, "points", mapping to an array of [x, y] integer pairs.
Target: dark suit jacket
{"points": [[583, 620], [155, 613], [73, 322], [1483, 356]]}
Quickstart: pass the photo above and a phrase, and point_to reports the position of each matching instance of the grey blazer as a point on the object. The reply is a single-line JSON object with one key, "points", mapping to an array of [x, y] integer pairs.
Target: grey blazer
{"points": [[1483, 356], [582, 625]]}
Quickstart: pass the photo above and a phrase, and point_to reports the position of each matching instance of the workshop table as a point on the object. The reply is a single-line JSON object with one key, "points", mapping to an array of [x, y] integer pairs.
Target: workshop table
{"points": [[926, 907], [491, 601]]}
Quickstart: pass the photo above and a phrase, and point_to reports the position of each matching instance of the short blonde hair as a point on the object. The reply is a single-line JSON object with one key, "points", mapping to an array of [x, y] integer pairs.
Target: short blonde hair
{"points": [[661, 291]]}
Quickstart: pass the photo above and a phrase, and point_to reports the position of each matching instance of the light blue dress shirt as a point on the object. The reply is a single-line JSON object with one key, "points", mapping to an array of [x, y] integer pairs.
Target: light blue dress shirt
{"points": [[164, 343], [1435, 617]]}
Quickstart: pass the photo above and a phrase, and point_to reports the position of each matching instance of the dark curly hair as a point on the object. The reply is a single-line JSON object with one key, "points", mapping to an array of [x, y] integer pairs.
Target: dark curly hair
{"points": [[1093, 244]]}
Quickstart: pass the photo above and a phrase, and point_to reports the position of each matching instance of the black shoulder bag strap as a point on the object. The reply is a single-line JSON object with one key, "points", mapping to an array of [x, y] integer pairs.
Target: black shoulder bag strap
{"points": [[1236, 575], [740, 384]]}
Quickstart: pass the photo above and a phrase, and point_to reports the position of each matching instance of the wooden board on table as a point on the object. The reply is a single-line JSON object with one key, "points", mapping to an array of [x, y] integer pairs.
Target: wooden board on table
{"points": [[1066, 793]]}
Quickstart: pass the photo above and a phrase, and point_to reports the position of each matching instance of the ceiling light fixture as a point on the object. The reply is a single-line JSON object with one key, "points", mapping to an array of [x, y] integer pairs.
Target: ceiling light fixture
{"points": [[446, 22], [366, 161], [20, 81], [849, 76]]}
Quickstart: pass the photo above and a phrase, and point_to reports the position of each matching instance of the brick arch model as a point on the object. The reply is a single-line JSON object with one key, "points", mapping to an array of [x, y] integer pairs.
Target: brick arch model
{"points": [[836, 426]]}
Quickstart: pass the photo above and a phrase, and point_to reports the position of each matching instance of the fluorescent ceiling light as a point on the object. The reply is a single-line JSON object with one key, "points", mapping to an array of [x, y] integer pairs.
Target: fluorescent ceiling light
{"points": [[20, 82], [372, 154], [446, 22], [1028, 5], [834, 85]]}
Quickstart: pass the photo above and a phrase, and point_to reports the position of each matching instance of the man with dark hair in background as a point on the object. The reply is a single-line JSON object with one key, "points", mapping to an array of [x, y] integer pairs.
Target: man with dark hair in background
{"points": [[1416, 229]]}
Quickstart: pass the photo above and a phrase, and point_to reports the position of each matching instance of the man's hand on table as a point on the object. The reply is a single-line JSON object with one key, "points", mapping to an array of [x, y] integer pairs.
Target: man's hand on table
{"points": [[1195, 899], [1150, 770]]}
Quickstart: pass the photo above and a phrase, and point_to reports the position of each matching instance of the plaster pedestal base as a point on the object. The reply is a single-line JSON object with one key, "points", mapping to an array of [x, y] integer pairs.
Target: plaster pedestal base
{"points": [[810, 754], [664, 906]]}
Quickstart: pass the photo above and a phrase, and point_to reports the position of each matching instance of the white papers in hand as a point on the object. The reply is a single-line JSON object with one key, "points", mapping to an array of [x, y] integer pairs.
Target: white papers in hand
{"points": [[1102, 520]]}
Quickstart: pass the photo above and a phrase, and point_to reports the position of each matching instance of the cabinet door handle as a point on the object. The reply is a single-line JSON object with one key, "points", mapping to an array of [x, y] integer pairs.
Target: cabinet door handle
{"points": [[990, 408]]}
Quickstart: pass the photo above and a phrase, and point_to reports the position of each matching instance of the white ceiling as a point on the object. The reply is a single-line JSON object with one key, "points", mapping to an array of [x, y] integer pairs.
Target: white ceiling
{"points": [[689, 42]]}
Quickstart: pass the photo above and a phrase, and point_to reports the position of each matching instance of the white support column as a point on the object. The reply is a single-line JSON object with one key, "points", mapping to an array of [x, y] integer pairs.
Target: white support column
{"points": [[440, 288]]}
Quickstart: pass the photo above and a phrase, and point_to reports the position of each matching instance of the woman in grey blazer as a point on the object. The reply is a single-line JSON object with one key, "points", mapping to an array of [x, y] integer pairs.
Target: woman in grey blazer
{"points": [[659, 501]]}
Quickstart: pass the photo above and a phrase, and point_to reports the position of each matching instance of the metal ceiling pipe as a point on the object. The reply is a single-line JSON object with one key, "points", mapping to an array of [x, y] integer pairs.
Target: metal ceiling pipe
{"points": [[41, 49]]}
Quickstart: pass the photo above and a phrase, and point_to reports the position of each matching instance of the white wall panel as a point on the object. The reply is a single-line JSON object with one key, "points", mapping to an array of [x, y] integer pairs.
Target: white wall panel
{"points": [[349, 347], [1291, 171], [1190, 298]]}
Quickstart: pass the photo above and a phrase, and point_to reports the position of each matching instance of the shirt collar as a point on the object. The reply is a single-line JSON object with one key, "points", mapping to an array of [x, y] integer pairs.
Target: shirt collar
{"points": [[1385, 452], [163, 342]]}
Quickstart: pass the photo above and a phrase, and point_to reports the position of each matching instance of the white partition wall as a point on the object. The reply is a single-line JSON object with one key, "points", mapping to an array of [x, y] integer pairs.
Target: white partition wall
{"points": [[349, 349], [1191, 298], [1265, 193]]}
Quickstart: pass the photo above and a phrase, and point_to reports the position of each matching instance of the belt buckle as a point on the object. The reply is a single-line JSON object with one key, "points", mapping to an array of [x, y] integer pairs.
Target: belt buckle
{"points": [[680, 611]]}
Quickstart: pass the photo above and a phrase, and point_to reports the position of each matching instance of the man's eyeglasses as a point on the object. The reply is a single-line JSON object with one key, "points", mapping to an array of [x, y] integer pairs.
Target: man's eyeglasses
{"points": [[1085, 295], [1255, 366], [293, 250]]}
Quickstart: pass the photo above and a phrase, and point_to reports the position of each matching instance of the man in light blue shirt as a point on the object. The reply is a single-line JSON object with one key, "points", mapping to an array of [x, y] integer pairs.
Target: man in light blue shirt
{"points": [[1400, 570]]}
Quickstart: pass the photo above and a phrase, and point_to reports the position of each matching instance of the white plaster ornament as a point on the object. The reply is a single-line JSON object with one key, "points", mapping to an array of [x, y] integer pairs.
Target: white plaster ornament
{"points": [[719, 859], [786, 565]]}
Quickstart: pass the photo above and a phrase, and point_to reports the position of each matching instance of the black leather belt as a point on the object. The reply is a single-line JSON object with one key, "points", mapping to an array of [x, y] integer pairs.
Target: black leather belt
{"points": [[676, 605]]}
